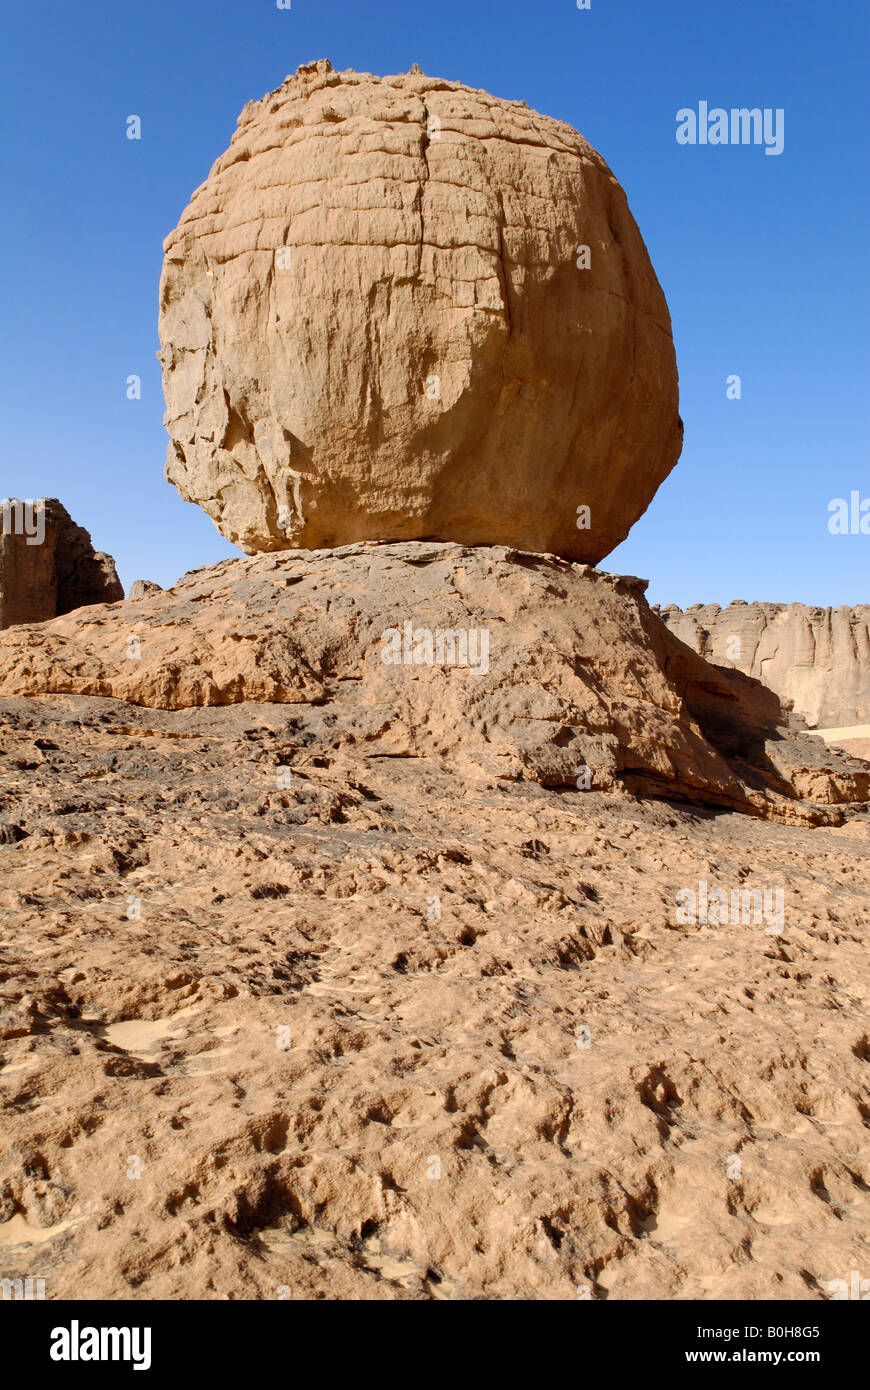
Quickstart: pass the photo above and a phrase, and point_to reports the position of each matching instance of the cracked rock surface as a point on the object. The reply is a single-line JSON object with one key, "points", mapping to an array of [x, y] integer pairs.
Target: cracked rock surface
{"points": [[374, 326]]}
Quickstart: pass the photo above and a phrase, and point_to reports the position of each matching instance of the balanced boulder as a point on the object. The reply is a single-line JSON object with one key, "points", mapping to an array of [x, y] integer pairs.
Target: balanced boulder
{"points": [[398, 309]]}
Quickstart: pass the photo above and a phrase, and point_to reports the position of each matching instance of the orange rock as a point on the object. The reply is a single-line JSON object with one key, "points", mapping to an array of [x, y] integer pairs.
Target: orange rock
{"points": [[399, 308], [509, 664]]}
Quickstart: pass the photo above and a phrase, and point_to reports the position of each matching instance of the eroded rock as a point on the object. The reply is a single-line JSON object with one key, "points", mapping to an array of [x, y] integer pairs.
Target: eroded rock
{"points": [[509, 1069], [817, 659], [399, 308], [48, 565], [142, 588], [507, 663]]}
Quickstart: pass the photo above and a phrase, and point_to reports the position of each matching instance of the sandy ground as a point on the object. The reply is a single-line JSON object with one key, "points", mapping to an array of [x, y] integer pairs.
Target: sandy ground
{"points": [[276, 1023]]}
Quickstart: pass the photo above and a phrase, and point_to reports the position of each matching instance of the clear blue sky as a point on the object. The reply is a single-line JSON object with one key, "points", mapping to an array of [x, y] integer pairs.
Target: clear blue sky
{"points": [[764, 260]]}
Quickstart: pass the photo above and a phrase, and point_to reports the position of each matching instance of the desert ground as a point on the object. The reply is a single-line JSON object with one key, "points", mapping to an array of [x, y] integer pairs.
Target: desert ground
{"points": [[392, 1032]]}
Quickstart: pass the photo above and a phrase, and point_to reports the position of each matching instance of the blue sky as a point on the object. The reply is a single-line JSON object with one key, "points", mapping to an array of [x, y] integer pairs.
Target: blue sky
{"points": [[763, 259]]}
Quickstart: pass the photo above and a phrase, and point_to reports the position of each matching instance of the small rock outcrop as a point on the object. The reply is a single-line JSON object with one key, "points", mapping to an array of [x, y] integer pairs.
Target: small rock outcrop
{"points": [[816, 659], [141, 588], [399, 308], [48, 565]]}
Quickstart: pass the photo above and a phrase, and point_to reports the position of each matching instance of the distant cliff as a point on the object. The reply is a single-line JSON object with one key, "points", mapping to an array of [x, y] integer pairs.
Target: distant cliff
{"points": [[817, 658]]}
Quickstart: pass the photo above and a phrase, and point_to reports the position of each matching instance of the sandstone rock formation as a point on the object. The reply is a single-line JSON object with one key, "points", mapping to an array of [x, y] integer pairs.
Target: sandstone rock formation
{"points": [[565, 668], [142, 588], [344, 891], [48, 565], [817, 659], [378, 322]]}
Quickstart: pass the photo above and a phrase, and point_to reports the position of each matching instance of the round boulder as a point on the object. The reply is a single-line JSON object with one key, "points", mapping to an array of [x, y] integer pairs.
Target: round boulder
{"points": [[402, 309]]}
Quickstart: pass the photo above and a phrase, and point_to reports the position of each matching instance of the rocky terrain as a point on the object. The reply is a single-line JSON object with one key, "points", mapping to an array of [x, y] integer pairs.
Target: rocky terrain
{"points": [[48, 564], [405, 910], [551, 668], [354, 989], [183, 887]]}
